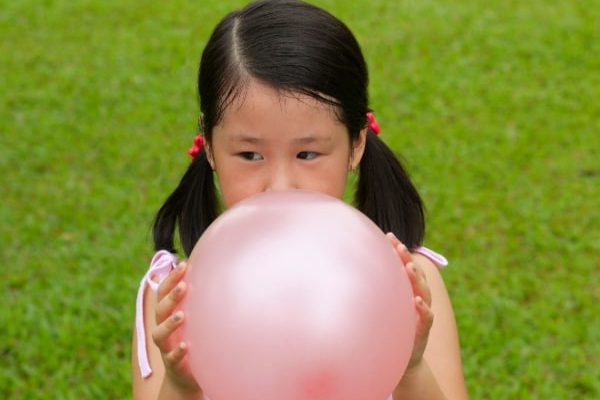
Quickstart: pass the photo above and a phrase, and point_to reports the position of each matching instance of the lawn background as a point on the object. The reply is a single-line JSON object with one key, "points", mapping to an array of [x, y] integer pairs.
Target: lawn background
{"points": [[493, 105]]}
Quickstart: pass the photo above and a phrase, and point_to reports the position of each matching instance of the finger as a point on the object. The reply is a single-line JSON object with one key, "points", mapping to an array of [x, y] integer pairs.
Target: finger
{"points": [[418, 282], [162, 332], [171, 280], [411, 272], [423, 285], [392, 238], [170, 302], [176, 355], [425, 315], [399, 248]]}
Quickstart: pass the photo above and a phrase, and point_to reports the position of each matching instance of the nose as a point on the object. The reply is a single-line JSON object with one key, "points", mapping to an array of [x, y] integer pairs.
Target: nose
{"points": [[281, 177]]}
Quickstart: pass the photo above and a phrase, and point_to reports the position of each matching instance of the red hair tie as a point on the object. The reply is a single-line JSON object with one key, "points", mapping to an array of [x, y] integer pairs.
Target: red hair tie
{"points": [[198, 145], [199, 139], [373, 125]]}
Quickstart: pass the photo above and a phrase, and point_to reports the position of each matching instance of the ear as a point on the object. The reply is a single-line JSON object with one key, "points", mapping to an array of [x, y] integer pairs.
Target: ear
{"points": [[209, 155], [358, 149]]}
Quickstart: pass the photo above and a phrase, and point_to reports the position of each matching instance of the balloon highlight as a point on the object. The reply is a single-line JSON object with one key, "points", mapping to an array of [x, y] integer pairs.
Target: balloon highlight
{"points": [[296, 295]]}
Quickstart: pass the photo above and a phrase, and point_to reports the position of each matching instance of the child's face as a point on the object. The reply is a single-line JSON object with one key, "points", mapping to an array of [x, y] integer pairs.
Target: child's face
{"points": [[275, 141]]}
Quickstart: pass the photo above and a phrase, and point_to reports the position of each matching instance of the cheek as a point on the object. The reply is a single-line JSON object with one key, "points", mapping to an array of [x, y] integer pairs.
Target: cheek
{"points": [[332, 184], [230, 194], [235, 188]]}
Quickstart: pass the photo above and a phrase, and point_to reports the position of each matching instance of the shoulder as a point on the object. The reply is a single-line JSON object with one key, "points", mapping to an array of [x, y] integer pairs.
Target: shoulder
{"points": [[432, 270], [443, 347]]}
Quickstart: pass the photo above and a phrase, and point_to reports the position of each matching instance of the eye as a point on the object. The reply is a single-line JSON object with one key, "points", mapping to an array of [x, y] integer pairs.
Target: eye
{"points": [[251, 156], [307, 155]]}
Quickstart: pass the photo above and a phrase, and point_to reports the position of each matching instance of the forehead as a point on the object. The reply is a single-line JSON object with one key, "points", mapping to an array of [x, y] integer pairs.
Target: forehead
{"points": [[263, 114], [255, 96]]}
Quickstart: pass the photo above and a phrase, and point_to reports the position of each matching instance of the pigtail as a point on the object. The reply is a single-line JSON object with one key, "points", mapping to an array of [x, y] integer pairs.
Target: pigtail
{"points": [[192, 207], [387, 196]]}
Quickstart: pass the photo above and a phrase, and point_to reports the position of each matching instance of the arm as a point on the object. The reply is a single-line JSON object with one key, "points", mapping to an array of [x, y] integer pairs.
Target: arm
{"points": [[435, 369], [438, 374], [443, 348], [149, 387], [170, 378]]}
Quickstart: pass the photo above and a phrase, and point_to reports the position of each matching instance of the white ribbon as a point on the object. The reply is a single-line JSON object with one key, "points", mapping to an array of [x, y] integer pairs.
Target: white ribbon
{"points": [[162, 263]]}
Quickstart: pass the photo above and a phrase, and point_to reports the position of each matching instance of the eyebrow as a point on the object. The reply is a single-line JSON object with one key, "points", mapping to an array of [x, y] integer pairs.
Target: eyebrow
{"points": [[244, 138], [312, 139]]}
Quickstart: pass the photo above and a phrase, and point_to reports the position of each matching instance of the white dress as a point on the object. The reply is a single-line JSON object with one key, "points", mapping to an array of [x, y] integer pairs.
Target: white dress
{"points": [[163, 263]]}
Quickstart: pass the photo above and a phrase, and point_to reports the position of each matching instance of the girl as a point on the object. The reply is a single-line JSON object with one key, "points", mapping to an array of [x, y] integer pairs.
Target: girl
{"points": [[283, 95]]}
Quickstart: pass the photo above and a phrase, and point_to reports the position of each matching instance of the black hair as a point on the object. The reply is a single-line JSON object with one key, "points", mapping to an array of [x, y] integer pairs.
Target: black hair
{"points": [[295, 47]]}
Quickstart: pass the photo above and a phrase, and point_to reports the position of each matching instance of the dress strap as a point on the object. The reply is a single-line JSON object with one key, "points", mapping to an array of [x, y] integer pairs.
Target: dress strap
{"points": [[436, 258], [162, 263]]}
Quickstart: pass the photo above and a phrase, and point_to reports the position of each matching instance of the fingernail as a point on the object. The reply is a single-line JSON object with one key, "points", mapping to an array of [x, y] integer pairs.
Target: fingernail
{"points": [[180, 266], [178, 288], [177, 316], [419, 300]]}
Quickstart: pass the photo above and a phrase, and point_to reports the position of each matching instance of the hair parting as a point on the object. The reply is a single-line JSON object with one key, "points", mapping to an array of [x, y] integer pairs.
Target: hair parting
{"points": [[295, 48]]}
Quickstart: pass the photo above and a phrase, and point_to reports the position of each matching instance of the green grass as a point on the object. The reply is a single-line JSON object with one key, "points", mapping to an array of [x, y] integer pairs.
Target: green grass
{"points": [[493, 105]]}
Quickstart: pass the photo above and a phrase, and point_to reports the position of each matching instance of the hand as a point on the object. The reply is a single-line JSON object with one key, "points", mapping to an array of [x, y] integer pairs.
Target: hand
{"points": [[422, 298], [167, 333]]}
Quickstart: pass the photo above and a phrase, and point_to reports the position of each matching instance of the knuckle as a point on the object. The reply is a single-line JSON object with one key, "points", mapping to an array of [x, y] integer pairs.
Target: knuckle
{"points": [[160, 313], [165, 307], [430, 321], [156, 336], [166, 284], [174, 356], [162, 290], [428, 316], [169, 358]]}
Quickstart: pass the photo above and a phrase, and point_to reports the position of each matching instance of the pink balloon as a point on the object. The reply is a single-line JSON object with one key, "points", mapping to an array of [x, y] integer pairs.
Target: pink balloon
{"points": [[294, 296]]}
